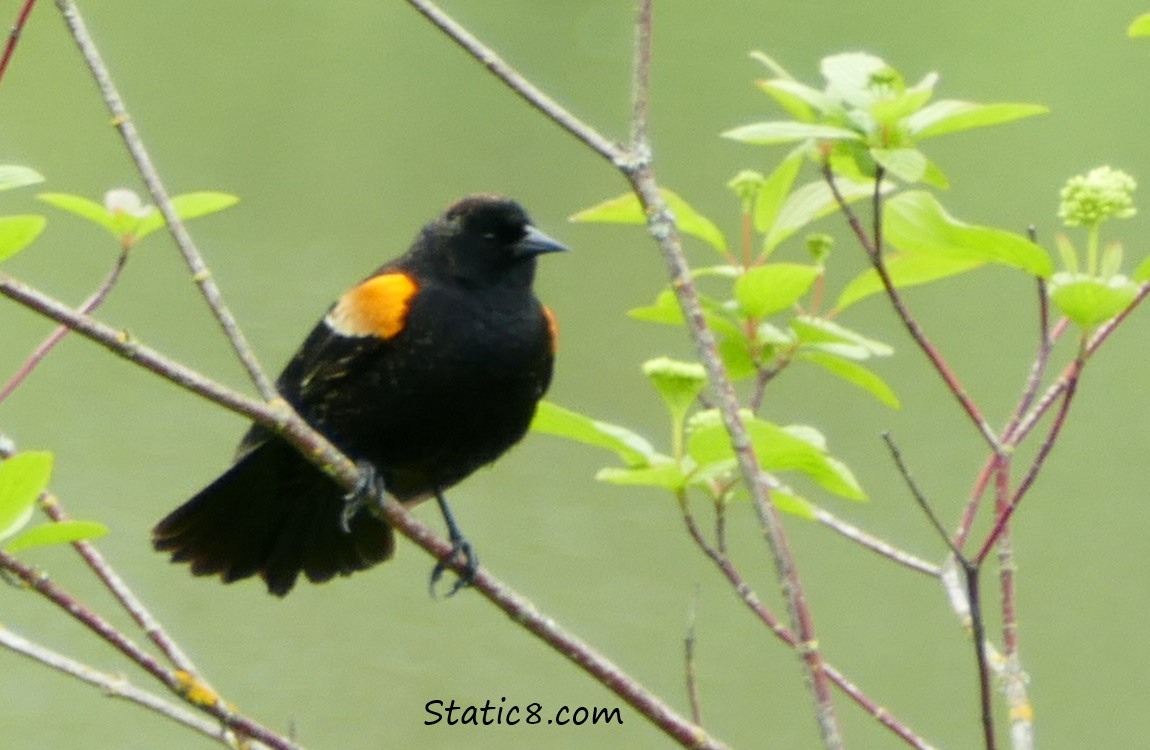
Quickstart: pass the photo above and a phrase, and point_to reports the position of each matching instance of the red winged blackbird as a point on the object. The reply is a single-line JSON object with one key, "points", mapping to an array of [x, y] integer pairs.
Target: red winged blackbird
{"points": [[422, 373]]}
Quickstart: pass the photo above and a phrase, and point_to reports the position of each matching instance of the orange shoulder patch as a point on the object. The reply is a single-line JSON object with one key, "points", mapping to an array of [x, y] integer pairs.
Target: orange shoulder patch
{"points": [[377, 307], [552, 327]]}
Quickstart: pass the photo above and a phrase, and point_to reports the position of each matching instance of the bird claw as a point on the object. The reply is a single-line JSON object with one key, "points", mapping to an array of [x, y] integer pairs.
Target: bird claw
{"points": [[460, 550], [368, 491]]}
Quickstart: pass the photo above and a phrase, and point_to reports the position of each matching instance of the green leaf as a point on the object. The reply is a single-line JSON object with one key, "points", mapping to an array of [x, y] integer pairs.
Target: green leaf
{"points": [[799, 100], [905, 270], [631, 447], [796, 505], [1088, 300], [1139, 27], [187, 206], [950, 116], [888, 112], [13, 176], [777, 450], [665, 310], [915, 222], [84, 208], [774, 287], [907, 164], [22, 478], [63, 532], [735, 352], [853, 373], [775, 190], [853, 77], [833, 337], [667, 474], [1142, 272], [678, 383], [626, 209], [788, 131], [17, 232], [812, 201]]}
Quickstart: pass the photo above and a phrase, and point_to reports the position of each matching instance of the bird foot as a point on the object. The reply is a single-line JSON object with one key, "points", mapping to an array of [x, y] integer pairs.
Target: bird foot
{"points": [[462, 551], [368, 492]]}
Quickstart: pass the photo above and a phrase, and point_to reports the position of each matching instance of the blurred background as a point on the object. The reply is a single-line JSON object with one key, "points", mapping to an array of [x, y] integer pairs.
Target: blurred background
{"points": [[344, 127]]}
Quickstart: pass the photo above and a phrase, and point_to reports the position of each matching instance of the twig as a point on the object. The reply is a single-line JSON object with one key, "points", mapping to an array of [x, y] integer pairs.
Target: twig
{"points": [[192, 256], [874, 544], [874, 252], [90, 305], [528, 91], [978, 634], [14, 35], [749, 598], [1039, 459], [119, 687], [689, 659], [104, 571], [172, 680], [917, 494]]}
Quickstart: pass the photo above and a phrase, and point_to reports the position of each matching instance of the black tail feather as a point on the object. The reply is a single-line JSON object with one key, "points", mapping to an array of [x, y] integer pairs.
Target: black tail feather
{"points": [[274, 515]]}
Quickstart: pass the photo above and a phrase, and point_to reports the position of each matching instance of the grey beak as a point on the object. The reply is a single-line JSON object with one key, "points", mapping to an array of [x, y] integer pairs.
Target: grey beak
{"points": [[537, 243]]}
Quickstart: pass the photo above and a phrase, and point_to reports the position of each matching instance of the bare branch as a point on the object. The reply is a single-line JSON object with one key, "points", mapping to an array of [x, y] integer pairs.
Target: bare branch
{"points": [[195, 262]]}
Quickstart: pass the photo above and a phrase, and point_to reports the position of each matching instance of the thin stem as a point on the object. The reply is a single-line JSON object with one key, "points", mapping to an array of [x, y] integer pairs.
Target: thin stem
{"points": [[117, 686], [174, 681], [689, 660], [874, 544], [748, 596], [201, 274], [919, 497], [874, 252], [534, 96], [978, 634], [90, 305], [14, 35], [1036, 466]]}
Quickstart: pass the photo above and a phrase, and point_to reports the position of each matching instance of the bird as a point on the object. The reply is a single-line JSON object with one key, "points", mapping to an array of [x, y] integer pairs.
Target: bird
{"points": [[422, 373]]}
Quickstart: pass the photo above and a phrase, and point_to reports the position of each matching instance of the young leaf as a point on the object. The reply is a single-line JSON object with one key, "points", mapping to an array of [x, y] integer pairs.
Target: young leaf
{"points": [[1142, 272], [774, 191], [17, 232], [631, 447], [812, 201], [854, 373], [1088, 300], [63, 532], [1140, 26], [14, 176], [907, 164], [678, 383], [735, 352], [799, 100], [188, 206], [777, 450], [950, 116], [773, 287], [847, 343], [905, 270], [626, 210], [22, 478], [84, 208], [788, 131], [666, 474], [853, 77], [915, 222]]}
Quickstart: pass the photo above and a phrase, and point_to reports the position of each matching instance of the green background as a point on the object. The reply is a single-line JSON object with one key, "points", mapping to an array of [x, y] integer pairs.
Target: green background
{"points": [[343, 127]]}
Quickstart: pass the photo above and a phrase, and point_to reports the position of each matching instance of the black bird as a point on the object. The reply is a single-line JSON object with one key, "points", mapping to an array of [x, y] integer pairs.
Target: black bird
{"points": [[422, 373]]}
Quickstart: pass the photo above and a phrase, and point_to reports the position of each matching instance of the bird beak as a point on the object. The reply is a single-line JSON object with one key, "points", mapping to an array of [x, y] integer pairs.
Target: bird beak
{"points": [[537, 243]]}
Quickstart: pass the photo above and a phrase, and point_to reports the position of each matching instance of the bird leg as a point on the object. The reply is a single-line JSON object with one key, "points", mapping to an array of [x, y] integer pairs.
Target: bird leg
{"points": [[460, 548]]}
